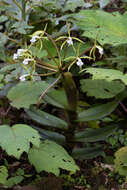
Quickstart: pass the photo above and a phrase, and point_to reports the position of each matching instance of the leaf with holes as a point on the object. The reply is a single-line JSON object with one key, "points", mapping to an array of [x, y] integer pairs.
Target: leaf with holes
{"points": [[107, 28], [26, 93], [51, 157], [121, 161], [16, 140], [101, 88], [106, 74]]}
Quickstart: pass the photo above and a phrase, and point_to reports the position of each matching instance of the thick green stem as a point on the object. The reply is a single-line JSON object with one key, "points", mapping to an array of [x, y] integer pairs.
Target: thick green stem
{"points": [[71, 110], [23, 10]]}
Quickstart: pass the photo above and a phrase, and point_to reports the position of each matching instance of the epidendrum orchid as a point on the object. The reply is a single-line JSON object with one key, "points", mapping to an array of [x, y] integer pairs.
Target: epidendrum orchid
{"points": [[23, 77], [34, 39], [26, 61]]}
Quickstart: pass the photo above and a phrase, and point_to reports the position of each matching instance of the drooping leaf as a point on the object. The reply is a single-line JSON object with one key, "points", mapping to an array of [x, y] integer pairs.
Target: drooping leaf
{"points": [[97, 112], [107, 74], [51, 157], [47, 119], [87, 153], [107, 28], [94, 135], [101, 88], [121, 161], [26, 93], [16, 140]]}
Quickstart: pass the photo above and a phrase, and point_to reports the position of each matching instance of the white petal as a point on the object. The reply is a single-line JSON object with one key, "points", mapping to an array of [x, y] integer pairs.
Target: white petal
{"points": [[20, 51], [23, 77], [79, 62], [100, 49], [15, 56], [70, 41], [34, 39], [26, 61]]}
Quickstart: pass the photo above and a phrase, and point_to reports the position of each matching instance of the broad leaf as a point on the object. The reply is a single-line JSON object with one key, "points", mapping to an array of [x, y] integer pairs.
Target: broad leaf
{"points": [[94, 135], [16, 140], [97, 112], [51, 157], [56, 98], [101, 88], [87, 153], [121, 161], [26, 93], [107, 28], [107, 74], [47, 119]]}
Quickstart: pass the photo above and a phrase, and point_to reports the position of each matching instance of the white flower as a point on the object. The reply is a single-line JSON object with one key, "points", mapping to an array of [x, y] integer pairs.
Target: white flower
{"points": [[20, 51], [79, 62], [34, 39], [100, 50], [70, 41], [26, 61], [15, 56], [23, 77]]}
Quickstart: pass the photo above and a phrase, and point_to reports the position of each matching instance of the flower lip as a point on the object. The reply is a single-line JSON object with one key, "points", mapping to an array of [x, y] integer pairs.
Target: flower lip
{"points": [[15, 56], [79, 62], [70, 41], [100, 49], [34, 39], [26, 61], [20, 51], [23, 77]]}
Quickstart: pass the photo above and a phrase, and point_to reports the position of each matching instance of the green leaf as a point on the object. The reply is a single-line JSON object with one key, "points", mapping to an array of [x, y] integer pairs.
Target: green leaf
{"points": [[56, 98], [53, 136], [121, 161], [107, 28], [94, 135], [14, 181], [16, 140], [107, 74], [3, 175], [87, 153], [51, 157], [97, 112], [47, 119], [73, 4], [26, 93], [101, 88]]}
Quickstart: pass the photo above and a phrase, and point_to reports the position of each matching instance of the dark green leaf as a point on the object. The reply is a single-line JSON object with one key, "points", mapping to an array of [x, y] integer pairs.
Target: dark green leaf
{"points": [[87, 153], [94, 135], [98, 112], [47, 119]]}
